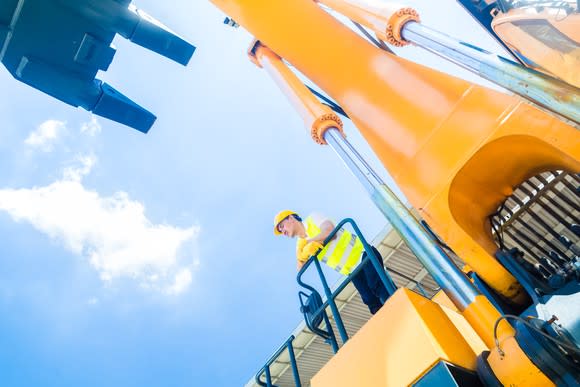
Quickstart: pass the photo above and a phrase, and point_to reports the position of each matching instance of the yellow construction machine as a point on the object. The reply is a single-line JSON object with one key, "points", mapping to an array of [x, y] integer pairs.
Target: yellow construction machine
{"points": [[462, 154]]}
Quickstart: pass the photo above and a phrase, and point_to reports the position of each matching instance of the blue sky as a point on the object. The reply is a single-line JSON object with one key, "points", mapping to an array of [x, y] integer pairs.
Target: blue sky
{"points": [[130, 259]]}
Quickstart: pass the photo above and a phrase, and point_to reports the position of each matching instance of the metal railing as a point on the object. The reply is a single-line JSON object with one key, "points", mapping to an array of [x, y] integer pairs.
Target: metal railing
{"points": [[266, 368], [330, 295]]}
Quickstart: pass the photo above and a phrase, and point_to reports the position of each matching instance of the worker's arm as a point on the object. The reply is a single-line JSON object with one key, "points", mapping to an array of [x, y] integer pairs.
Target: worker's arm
{"points": [[325, 229]]}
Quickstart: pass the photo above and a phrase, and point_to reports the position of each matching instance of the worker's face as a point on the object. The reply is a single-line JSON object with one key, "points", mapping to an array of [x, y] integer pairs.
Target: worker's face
{"points": [[290, 227]]}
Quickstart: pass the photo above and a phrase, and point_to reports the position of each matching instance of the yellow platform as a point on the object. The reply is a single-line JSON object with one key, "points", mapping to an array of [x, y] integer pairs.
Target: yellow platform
{"points": [[408, 336]]}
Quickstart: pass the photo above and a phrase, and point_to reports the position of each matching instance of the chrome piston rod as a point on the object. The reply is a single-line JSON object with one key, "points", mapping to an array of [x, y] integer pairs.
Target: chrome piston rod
{"points": [[553, 94], [453, 282]]}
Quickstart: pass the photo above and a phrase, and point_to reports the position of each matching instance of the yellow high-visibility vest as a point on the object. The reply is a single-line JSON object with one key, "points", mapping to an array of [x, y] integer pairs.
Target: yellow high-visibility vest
{"points": [[342, 253]]}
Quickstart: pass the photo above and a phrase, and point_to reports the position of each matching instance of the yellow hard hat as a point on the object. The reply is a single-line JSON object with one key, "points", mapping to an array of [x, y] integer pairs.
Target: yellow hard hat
{"points": [[280, 216]]}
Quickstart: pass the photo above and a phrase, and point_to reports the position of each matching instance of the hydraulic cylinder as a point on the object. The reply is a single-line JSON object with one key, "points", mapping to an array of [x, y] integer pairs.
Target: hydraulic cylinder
{"points": [[399, 26]]}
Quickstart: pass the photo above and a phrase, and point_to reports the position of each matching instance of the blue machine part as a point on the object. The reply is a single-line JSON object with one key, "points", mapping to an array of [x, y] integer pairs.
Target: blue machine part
{"points": [[57, 46], [448, 375], [565, 305], [561, 368], [556, 316]]}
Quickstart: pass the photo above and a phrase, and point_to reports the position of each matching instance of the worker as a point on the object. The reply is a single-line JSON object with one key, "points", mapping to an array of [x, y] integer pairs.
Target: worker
{"points": [[342, 253]]}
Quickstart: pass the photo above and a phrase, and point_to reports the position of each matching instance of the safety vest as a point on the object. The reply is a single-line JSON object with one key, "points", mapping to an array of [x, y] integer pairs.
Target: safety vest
{"points": [[342, 253]]}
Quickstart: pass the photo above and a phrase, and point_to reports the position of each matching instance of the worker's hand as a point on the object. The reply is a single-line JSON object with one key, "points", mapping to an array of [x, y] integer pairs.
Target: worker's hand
{"points": [[311, 248]]}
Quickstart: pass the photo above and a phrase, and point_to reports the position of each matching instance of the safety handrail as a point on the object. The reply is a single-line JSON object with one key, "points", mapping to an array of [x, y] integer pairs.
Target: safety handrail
{"points": [[266, 368], [329, 300], [328, 336], [330, 296]]}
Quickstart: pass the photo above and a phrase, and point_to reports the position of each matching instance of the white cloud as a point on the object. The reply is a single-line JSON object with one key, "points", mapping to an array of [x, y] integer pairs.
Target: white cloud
{"points": [[112, 232], [93, 301], [76, 173], [181, 282], [92, 128], [45, 135]]}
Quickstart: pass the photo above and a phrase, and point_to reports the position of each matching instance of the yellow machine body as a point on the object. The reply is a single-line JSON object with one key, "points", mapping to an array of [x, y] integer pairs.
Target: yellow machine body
{"points": [[403, 341]]}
